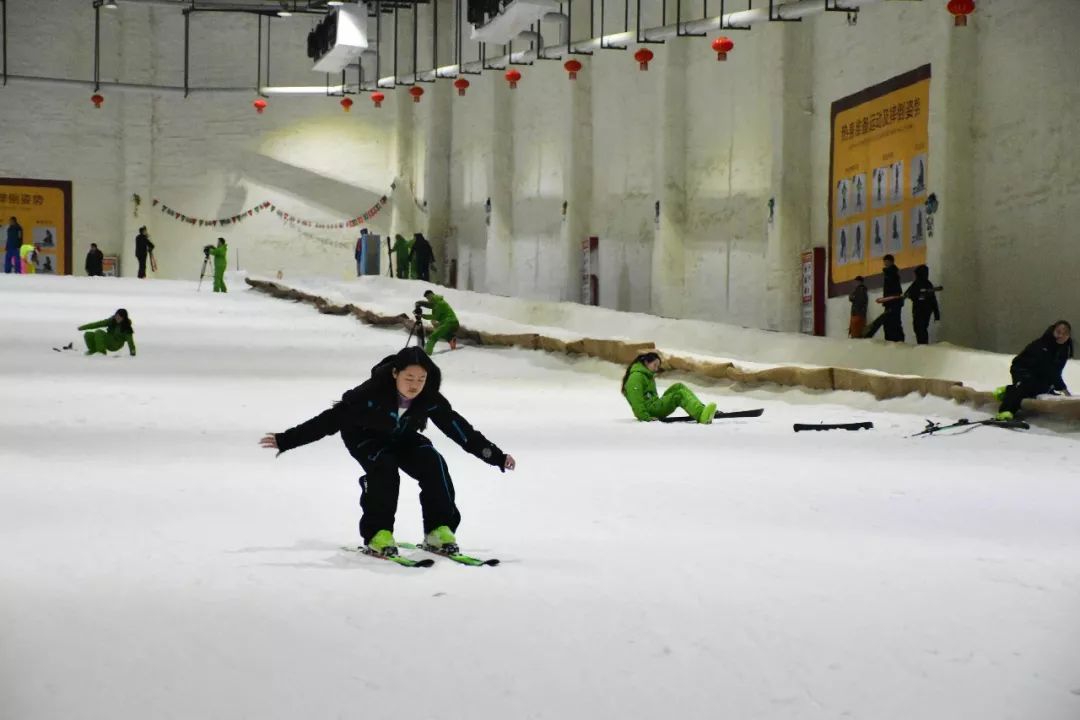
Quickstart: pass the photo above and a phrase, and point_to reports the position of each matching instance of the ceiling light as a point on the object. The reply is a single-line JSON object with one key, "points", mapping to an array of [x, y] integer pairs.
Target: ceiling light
{"points": [[111, 4], [335, 3], [284, 13]]}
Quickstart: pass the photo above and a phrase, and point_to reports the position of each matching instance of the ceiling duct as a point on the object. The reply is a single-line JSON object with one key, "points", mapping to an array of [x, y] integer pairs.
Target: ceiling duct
{"points": [[338, 40], [519, 15]]}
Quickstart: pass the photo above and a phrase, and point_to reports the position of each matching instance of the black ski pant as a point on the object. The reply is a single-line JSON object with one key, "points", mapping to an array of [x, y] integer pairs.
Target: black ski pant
{"points": [[1023, 386], [890, 318], [379, 487], [921, 323], [142, 265], [422, 271]]}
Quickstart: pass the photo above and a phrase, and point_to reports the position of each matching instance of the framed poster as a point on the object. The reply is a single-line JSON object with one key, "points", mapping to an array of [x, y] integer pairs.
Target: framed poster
{"points": [[879, 162], [43, 210]]}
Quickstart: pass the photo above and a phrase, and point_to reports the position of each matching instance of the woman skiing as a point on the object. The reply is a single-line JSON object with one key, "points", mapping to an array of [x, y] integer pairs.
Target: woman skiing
{"points": [[117, 331], [1037, 370], [380, 423], [639, 388]]}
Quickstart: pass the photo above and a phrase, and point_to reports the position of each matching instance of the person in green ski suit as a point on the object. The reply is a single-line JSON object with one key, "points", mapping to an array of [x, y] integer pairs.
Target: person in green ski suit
{"points": [[639, 388], [117, 332], [401, 255], [221, 257], [442, 317]]}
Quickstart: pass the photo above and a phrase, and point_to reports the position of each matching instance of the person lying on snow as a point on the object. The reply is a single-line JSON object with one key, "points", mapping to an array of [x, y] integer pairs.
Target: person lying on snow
{"points": [[1037, 370], [380, 423], [117, 331], [639, 388]]}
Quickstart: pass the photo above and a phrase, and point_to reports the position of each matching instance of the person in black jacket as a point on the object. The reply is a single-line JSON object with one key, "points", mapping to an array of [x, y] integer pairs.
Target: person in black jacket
{"points": [[380, 423], [921, 293], [1037, 370], [892, 297], [143, 247], [424, 255], [95, 261]]}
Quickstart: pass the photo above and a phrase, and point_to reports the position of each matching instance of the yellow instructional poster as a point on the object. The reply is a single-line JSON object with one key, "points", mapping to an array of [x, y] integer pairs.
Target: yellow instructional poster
{"points": [[42, 208], [878, 179]]}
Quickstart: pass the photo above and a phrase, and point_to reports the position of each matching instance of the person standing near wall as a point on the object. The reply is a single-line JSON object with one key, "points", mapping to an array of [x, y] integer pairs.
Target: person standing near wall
{"points": [[143, 247], [95, 261], [921, 293], [29, 255], [13, 246], [892, 297], [221, 260], [859, 302], [401, 249], [443, 319], [361, 253], [424, 256]]}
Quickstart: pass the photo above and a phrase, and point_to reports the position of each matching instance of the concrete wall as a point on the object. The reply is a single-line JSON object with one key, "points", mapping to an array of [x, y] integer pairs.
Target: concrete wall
{"points": [[736, 154]]}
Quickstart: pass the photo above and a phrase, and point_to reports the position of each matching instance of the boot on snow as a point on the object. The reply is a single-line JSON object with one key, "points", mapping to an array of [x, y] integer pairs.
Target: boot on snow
{"points": [[383, 543], [999, 393], [707, 414], [1004, 416], [443, 540]]}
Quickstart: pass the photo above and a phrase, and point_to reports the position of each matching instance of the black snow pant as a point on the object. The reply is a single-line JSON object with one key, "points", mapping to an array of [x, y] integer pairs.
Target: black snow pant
{"points": [[379, 487], [423, 271], [142, 265], [1023, 386], [921, 323], [890, 318]]}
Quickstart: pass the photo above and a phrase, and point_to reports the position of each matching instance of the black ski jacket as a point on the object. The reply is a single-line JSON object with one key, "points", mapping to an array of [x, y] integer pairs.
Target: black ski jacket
{"points": [[1043, 360], [922, 295], [143, 245], [367, 418]]}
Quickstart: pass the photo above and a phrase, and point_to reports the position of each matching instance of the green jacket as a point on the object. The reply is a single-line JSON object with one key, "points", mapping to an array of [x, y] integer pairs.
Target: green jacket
{"points": [[221, 256], [441, 312], [114, 337], [640, 390], [400, 249]]}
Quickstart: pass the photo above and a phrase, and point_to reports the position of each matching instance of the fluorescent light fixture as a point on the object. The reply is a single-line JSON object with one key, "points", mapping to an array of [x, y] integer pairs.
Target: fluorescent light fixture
{"points": [[335, 3], [301, 89], [111, 4], [284, 13]]}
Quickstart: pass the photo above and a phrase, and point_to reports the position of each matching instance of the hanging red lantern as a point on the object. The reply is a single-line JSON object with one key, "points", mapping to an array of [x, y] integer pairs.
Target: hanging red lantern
{"points": [[97, 100], [259, 105], [643, 56], [573, 67], [416, 91], [512, 77], [377, 98], [722, 45], [462, 85], [346, 104], [960, 10]]}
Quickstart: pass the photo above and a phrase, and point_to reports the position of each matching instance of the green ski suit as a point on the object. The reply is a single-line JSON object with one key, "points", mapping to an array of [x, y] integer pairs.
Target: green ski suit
{"points": [[221, 258], [401, 255], [103, 341], [443, 318], [640, 391]]}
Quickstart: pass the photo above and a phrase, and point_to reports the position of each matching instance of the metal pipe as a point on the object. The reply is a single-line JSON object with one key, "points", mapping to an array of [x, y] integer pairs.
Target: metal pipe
{"points": [[3, 18], [268, 19], [120, 86], [187, 51], [97, 46], [258, 58]]}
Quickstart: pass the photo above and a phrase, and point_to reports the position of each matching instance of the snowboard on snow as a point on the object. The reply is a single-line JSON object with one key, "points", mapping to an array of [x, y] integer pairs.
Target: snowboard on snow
{"points": [[718, 416]]}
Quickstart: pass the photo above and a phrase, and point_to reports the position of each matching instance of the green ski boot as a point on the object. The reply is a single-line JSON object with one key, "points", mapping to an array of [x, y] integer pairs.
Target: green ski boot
{"points": [[383, 543], [707, 414], [442, 540], [1004, 416], [999, 393]]}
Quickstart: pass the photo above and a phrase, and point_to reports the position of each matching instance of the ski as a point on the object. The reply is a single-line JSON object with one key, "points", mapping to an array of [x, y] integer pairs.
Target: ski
{"points": [[69, 346], [456, 557], [933, 427], [399, 559], [718, 416], [835, 426]]}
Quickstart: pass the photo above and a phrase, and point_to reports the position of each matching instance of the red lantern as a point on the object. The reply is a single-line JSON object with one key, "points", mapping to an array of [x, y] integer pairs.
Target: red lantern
{"points": [[461, 84], [722, 45], [960, 10], [512, 77], [643, 56], [416, 91], [259, 105], [346, 104], [573, 67], [97, 100], [377, 98]]}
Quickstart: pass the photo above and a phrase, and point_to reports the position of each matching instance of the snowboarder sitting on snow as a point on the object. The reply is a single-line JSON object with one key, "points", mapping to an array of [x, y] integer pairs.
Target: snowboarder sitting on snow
{"points": [[443, 319], [117, 331], [380, 423], [1037, 369], [639, 388]]}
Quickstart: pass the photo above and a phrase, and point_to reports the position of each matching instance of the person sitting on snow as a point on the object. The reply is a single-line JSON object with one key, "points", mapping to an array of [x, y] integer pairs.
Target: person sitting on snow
{"points": [[639, 388], [1037, 370]]}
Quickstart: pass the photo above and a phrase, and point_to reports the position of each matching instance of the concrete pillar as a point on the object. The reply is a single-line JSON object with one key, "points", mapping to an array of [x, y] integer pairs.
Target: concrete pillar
{"points": [[499, 250], [668, 256]]}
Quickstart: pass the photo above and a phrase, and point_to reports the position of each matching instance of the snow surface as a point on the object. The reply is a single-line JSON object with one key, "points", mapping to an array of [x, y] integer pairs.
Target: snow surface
{"points": [[159, 564]]}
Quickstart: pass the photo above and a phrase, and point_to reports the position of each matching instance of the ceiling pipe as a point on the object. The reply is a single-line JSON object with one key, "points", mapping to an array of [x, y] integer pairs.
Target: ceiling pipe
{"points": [[120, 86], [745, 18]]}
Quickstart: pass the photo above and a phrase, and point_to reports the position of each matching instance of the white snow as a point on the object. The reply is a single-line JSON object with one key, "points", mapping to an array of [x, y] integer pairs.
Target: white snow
{"points": [[158, 564]]}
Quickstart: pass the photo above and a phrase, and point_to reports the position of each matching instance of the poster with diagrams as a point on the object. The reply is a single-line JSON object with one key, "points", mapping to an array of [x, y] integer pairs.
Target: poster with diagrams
{"points": [[879, 174]]}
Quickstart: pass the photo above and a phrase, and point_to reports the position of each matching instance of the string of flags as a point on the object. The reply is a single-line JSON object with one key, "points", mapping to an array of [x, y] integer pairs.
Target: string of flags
{"points": [[270, 207]]}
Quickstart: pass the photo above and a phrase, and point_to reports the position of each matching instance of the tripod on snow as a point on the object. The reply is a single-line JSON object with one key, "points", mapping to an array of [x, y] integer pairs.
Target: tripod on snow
{"points": [[202, 273], [417, 328]]}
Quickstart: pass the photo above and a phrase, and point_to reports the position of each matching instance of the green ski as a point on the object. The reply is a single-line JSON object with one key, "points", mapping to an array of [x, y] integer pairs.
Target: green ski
{"points": [[456, 557], [399, 559]]}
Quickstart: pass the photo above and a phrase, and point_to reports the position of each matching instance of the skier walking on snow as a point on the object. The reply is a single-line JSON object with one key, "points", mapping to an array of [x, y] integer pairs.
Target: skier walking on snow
{"points": [[639, 388], [442, 317], [380, 423], [1037, 370]]}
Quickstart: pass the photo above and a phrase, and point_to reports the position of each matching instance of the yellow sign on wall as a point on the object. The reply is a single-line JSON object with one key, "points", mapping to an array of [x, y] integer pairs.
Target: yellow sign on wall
{"points": [[43, 209], [879, 175]]}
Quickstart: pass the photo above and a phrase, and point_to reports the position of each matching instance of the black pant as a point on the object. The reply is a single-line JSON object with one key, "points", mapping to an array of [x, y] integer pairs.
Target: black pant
{"points": [[890, 318], [1023, 386], [921, 323], [422, 271], [142, 265], [379, 488]]}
